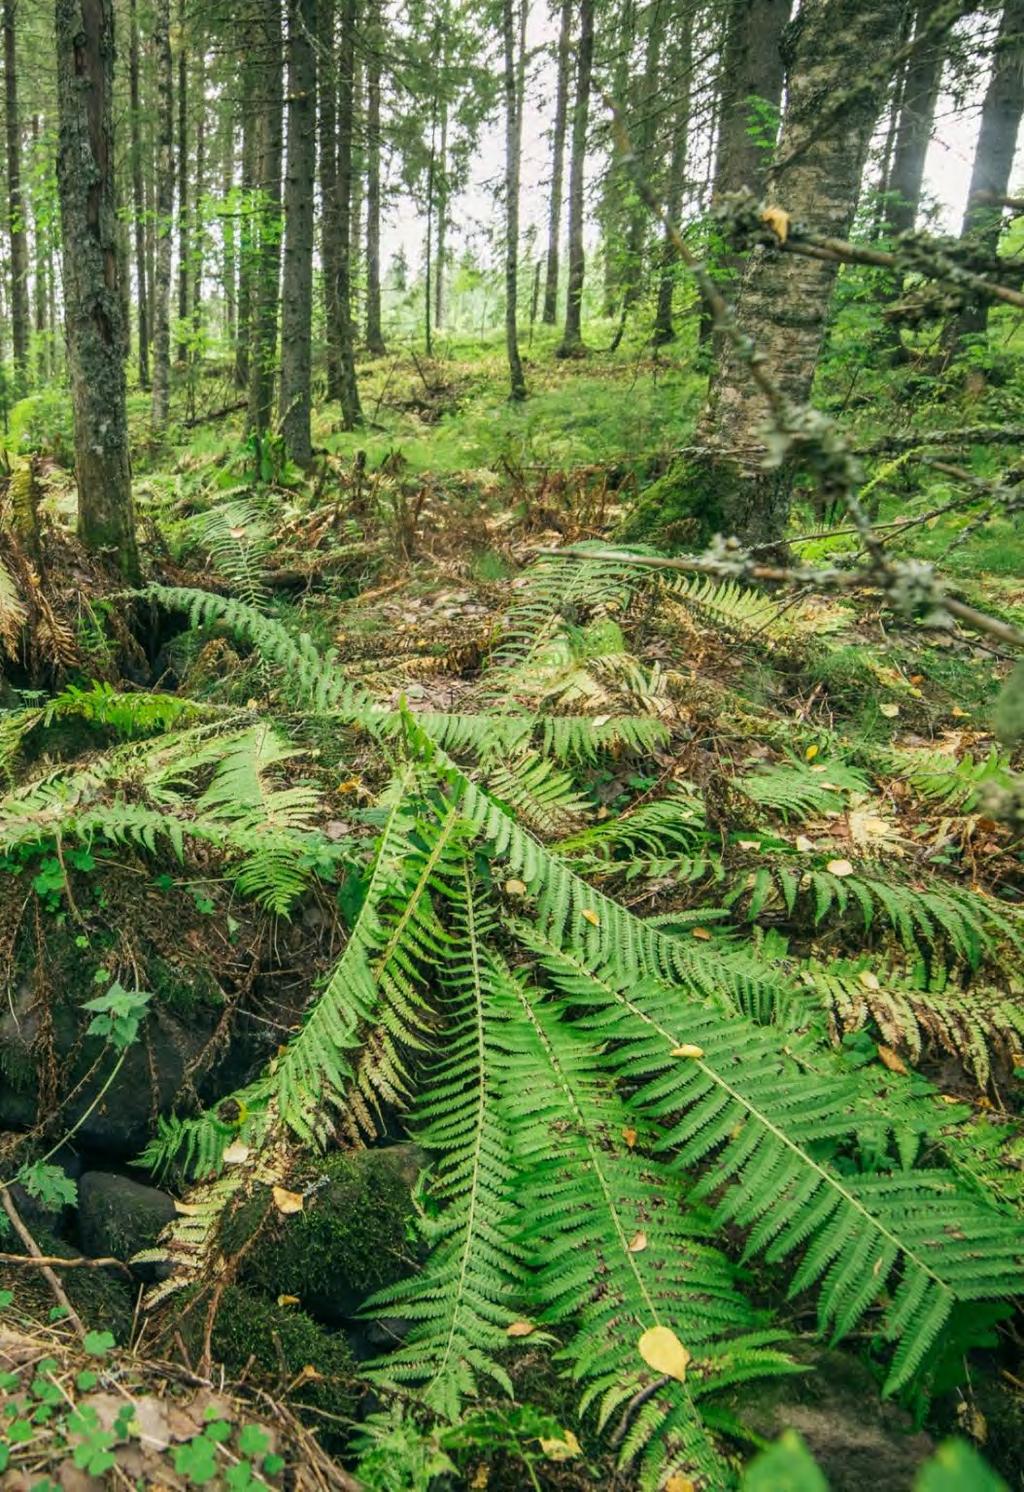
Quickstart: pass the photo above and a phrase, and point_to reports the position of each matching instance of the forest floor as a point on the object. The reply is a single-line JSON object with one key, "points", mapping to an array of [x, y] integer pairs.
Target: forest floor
{"points": [[809, 793]]}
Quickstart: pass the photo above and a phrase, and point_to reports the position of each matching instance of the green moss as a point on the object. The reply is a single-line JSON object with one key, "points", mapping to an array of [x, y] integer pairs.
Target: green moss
{"points": [[351, 1239], [182, 994], [680, 510]]}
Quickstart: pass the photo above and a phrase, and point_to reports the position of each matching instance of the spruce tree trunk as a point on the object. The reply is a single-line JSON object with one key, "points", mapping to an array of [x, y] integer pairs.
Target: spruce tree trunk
{"points": [[85, 179], [328, 131], [16, 220], [442, 219], [752, 70], [374, 334], [164, 208], [513, 156], [229, 233], [549, 315], [183, 196], [914, 129], [355, 232], [297, 291], [993, 158], [784, 299], [643, 144], [247, 228], [351, 412], [267, 286], [42, 250], [572, 339], [428, 256], [682, 63], [198, 226], [138, 197]]}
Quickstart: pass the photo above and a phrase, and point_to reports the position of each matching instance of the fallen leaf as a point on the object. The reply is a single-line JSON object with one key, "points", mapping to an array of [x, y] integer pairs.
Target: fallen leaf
{"points": [[287, 1202], [187, 1209], [236, 1153], [868, 980], [287, 1300], [749, 844], [563, 1449], [637, 1243], [890, 710], [811, 753], [840, 867], [679, 1483], [520, 1329], [892, 1060], [629, 1135], [336, 829], [958, 713], [237, 533], [803, 844], [686, 1050], [777, 219], [589, 915], [515, 888], [307, 1374], [701, 934], [481, 1477], [662, 1350]]}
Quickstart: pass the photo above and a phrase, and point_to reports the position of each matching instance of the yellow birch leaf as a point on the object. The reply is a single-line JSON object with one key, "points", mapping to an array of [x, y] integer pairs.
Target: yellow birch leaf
{"points": [[187, 1209], [890, 710], [287, 1300], [840, 867], [629, 1135], [564, 1449], [236, 1153], [701, 934], [811, 753], [688, 1050], [520, 1329], [637, 1243], [777, 219], [679, 1483], [749, 844], [515, 888], [662, 1350], [891, 1060], [589, 915], [287, 1202]]}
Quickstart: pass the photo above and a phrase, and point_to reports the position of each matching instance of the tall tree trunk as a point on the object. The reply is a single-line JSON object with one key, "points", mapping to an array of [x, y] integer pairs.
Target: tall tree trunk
{"points": [[428, 259], [229, 234], [164, 208], [138, 196], [572, 339], [328, 129], [513, 156], [442, 219], [549, 315], [643, 144], [85, 177], [374, 334], [993, 159], [914, 129], [267, 289], [297, 292], [247, 228], [183, 196], [613, 186], [682, 64], [41, 253], [351, 412], [752, 75], [358, 166], [784, 302], [199, 227], [16, 220]]}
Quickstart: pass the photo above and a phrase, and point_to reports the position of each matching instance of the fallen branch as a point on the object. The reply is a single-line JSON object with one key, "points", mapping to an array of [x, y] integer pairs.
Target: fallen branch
{"points": [[55, 1261], [7, 1202]]}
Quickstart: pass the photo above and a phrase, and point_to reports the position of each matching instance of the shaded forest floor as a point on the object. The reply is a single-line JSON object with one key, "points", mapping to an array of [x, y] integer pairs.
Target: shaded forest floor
{"points": [[809, 793]]}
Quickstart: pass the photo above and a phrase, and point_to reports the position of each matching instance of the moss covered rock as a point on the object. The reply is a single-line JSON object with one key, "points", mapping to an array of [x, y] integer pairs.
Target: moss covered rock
{"points": [[352, 1238], [680, 510], [280, 1347], [118, 1216]]}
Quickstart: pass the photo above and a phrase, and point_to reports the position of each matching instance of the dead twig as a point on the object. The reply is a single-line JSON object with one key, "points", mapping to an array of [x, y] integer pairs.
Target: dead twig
{"points": [[14, 1217]]}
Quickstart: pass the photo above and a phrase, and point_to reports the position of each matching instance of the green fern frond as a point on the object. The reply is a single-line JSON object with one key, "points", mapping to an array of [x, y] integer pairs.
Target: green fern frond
{"points": [[799, 790], [731, 1102], [471, 1286], [239, 541], [940, 778]]}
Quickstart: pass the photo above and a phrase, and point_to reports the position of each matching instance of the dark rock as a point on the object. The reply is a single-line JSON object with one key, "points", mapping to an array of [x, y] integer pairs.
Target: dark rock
{"points": [[351, 1239], [118, 1216], [858, 1439]]}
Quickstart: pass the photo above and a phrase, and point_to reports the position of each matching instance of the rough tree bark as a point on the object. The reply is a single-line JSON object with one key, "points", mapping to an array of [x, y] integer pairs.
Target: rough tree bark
{"points": [[85, 179], [351, 410], [572, 338], [442, 218], [297, 292], [164, 208], [42, 251], [327, 99], [374, 334], [753, 72], [183, 208], [247, 227], [513, 157], [784, 299], [993, 158], [15, 208], [682, 65], [267, 275], [138, 195], [229, 234], [549, 315]]}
